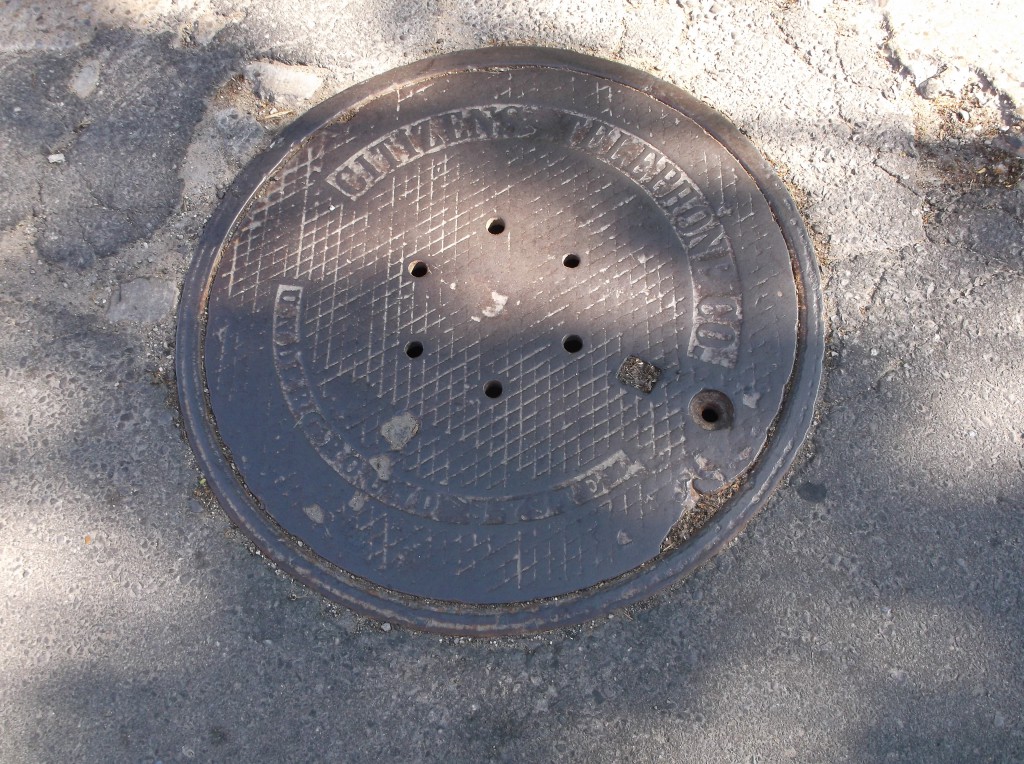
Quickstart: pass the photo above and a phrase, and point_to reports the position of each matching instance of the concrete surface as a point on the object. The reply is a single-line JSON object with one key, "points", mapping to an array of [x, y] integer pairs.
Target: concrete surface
{"points": [[872, 612]]}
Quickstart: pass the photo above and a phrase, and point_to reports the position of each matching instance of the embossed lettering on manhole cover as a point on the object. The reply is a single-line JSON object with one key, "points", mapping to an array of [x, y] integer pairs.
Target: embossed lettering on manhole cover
{"points": [[500, 341]]}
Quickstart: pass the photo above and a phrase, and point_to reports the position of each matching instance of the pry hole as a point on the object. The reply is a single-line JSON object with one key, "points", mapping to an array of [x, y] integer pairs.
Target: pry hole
{"points": [[414, 349], [493, 389], [573, 343], [495, 226], [712, 410], [571, 261], [418, 268]]}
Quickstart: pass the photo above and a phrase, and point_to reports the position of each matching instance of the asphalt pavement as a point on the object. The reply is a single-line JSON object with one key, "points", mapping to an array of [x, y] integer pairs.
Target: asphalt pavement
{"points": [[872, 612]]}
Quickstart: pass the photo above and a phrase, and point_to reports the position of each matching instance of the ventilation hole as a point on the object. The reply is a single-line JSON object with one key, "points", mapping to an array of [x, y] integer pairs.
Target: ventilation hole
{"points": [[418, 268], [571, 261], [414, 349], [495, 226], [573, 343], [712, 410], [493, 389]]}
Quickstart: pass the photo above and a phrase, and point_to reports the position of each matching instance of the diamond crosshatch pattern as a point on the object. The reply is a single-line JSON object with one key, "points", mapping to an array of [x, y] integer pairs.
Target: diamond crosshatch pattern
{"points": [[568, 477], [512, 438], [360, 279]]}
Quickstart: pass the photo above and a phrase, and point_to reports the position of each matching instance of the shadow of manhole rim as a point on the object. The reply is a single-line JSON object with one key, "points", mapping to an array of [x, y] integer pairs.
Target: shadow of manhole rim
{"points": [[716, 378]]}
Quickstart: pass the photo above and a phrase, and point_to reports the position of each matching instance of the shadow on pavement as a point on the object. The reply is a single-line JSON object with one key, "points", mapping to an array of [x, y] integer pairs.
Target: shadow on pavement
{"points": [[873, 611]]}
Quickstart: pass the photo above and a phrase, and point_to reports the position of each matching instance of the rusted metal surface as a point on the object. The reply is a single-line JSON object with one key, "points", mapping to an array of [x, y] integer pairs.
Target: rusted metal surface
{"points": [[459, 350]]}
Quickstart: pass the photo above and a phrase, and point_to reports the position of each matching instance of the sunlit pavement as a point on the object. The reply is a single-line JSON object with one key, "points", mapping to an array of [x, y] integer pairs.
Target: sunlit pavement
{"points": [[871, 612]]}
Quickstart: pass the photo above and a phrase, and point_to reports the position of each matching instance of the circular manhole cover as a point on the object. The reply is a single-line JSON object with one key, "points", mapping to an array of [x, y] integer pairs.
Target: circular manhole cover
{"points": [[500, 341]]}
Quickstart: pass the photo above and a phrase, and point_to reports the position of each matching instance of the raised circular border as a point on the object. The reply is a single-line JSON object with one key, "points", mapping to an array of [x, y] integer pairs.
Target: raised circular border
{"points": [[445, 617]]}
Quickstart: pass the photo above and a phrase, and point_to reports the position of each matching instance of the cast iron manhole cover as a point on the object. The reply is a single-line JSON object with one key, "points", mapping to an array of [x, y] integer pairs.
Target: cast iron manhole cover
{"points": [[500, 341]]}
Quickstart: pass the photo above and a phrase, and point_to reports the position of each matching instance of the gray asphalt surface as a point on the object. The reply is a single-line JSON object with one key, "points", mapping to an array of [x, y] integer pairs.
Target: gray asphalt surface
{"points": [[871, 613]]}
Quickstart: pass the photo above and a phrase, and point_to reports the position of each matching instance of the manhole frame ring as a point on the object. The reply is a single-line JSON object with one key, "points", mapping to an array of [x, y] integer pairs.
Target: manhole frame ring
{"points": [[791, 427]]}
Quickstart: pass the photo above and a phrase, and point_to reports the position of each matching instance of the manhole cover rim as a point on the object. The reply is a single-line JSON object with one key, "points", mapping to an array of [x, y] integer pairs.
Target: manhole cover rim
{"points": [[791, 427]]}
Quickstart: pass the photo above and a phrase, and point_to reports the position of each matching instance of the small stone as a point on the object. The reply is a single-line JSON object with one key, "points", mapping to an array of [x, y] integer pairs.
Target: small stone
{"points": [[930, 89], [385, 627], [83, 83], [638, 373], [282, 84], [55, 159]]}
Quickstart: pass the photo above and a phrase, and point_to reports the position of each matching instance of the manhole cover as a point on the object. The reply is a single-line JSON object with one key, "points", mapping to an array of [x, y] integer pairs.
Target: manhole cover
{"points": [[500, 341]]}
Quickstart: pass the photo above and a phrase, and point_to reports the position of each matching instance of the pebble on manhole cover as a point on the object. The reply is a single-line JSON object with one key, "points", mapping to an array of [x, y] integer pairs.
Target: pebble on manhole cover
{"points": [[500, 341]]}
